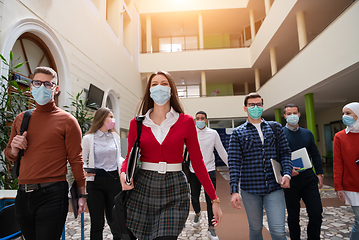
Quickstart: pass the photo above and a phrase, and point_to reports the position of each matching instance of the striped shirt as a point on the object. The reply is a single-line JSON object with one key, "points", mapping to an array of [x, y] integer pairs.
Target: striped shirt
{"points": [[249, 158]]}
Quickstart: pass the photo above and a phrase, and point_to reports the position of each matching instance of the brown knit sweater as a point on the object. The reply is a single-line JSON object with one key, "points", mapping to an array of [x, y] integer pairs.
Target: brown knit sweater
{"points": [[53, 138]]}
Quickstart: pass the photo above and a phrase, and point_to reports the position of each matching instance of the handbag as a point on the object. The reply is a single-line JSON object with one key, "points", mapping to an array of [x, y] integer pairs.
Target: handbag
{"points": [[14, 172], [119, 210], [185, 163]]}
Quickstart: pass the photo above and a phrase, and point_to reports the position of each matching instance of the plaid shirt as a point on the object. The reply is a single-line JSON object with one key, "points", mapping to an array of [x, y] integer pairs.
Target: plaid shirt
{"points": [[249, 159]]}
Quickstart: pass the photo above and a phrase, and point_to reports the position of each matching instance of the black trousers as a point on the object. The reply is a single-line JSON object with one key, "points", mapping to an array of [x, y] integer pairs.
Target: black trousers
{"points": [[195, 192], [41, 214], [305, 187], [101, 193]]}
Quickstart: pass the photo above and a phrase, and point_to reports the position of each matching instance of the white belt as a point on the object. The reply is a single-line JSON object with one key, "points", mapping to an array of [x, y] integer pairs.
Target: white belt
{"points": [[162, 167]]}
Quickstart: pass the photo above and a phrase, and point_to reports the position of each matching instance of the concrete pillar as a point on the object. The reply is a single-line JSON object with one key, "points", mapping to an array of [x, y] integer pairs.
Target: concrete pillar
{"points": [[273, 60], [246, 88], [148, 34], [309, 110], [267, 6], [251, 22], [203, 84], [200, 31], [302, 32], [278, 115], [257, 79]]}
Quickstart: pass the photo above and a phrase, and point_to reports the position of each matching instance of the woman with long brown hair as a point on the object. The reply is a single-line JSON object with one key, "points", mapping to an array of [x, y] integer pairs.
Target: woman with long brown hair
{"points": [[101, 148], [159, 203]]}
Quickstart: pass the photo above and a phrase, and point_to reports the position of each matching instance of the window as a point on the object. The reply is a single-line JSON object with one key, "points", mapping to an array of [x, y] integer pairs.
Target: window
{"points": [[178, 44], [34, 52], [188, 91]]}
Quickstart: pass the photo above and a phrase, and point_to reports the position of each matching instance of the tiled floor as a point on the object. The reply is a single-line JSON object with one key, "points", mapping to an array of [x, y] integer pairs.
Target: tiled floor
{"points": [[337, 221]]}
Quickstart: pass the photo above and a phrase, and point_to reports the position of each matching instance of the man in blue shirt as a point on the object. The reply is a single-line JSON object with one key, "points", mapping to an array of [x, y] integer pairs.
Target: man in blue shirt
{"points": [[251, 148], [304, 184]]}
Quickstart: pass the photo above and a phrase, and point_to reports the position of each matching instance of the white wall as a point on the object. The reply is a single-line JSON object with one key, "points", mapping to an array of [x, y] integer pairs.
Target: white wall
{"points": [[216, 107], [93, 54], [195, 60], [155, 6], [328, 54]]}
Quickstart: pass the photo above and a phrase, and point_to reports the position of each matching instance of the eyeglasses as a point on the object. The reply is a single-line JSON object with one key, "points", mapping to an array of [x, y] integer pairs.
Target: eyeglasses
{"points": [[255, 104], [38, 83]]}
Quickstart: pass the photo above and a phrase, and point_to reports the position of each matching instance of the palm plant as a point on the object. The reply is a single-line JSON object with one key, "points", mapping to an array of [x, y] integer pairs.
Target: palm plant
{"points": [[13, 100]]}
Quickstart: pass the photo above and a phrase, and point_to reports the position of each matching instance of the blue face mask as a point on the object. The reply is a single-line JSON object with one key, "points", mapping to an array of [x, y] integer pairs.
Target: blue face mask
{"points": [[292, 119], [255, 112], [348, 120], [42, 95], [201, 124], [160, 94]]}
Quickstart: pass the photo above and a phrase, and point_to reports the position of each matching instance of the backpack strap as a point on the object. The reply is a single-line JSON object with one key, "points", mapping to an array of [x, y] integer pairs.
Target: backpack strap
{"points": [[23, 128], [139, 120], [25, 121]]}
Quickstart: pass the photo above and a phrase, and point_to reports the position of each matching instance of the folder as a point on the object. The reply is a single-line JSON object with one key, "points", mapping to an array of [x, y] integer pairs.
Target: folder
{"points": [[300, 158], [74, 191], [132, 162], [277, 169]]}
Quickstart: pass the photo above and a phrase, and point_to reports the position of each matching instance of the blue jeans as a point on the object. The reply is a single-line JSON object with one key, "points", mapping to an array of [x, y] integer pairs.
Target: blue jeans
{"points": [[274, 205], [42, 213], [355, 230]]}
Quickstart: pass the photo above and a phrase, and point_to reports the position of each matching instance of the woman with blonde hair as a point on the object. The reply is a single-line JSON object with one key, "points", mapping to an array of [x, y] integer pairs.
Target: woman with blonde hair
{"points": [[101, 149], [159, 203]]}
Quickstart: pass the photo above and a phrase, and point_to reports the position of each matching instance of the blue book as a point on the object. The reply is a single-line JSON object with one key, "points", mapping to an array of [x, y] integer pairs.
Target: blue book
{"points": [[298, 162]]}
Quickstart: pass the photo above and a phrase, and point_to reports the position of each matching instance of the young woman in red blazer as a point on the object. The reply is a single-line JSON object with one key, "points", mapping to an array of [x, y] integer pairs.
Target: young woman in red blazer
{"points": [[159, 203]]}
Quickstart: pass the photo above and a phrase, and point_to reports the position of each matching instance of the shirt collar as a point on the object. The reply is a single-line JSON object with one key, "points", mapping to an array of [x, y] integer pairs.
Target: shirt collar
{"points": [[202, 130], [99, 133], [294, 129], [148, 121]]}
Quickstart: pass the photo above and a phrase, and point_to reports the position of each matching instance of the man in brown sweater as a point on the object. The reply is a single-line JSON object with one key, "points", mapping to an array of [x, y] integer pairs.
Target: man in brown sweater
{"points": [[53, 139]]}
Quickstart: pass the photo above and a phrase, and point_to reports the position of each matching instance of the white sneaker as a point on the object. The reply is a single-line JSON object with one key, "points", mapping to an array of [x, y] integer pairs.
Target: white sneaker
{"points": [[196, 220], [212, 234]]}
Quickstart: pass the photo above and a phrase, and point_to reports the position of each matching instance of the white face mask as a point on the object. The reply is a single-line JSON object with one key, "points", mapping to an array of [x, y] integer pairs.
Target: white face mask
{"points": [[200, 124], [160, 94], [292, 119], [42, 95]]}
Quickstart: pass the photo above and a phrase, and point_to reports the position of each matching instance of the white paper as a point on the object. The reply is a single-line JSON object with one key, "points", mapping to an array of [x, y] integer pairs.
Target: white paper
{"points": [[302, 153], [277, 168]]}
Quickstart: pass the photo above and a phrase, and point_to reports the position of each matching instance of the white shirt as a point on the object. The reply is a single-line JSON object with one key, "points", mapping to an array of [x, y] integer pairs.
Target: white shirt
{"points": [[208, 140], [105, 151], [351, 198], [160, 131]]}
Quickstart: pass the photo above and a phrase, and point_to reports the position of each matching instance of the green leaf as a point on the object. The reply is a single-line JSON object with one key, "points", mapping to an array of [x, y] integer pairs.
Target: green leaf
{"points": [[19, 65]]}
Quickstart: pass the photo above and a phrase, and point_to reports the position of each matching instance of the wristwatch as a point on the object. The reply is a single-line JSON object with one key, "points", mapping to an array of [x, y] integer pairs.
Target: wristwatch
{"points": [[321, 175], [85, 195]]}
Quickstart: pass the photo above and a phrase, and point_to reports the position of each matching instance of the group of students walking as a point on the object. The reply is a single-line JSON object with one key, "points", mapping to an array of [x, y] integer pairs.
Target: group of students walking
{"points": [[159, 203]]}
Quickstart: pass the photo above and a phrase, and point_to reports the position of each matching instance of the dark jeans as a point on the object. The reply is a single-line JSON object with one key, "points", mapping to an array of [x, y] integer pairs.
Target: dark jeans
{"points": [[101, 193], [195, 192], [304, 186], [42, 213]]}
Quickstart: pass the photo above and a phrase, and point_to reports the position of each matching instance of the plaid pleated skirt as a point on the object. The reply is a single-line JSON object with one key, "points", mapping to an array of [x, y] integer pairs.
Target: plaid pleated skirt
{"points": [[158, 205]]}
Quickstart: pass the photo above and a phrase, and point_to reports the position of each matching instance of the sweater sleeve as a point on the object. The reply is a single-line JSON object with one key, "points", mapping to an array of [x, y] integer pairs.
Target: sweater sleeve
{"points": [[73, 138], [15, 130], [131, 140], [315, 155], [197, 159], [220, 149], [338, 165]]}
